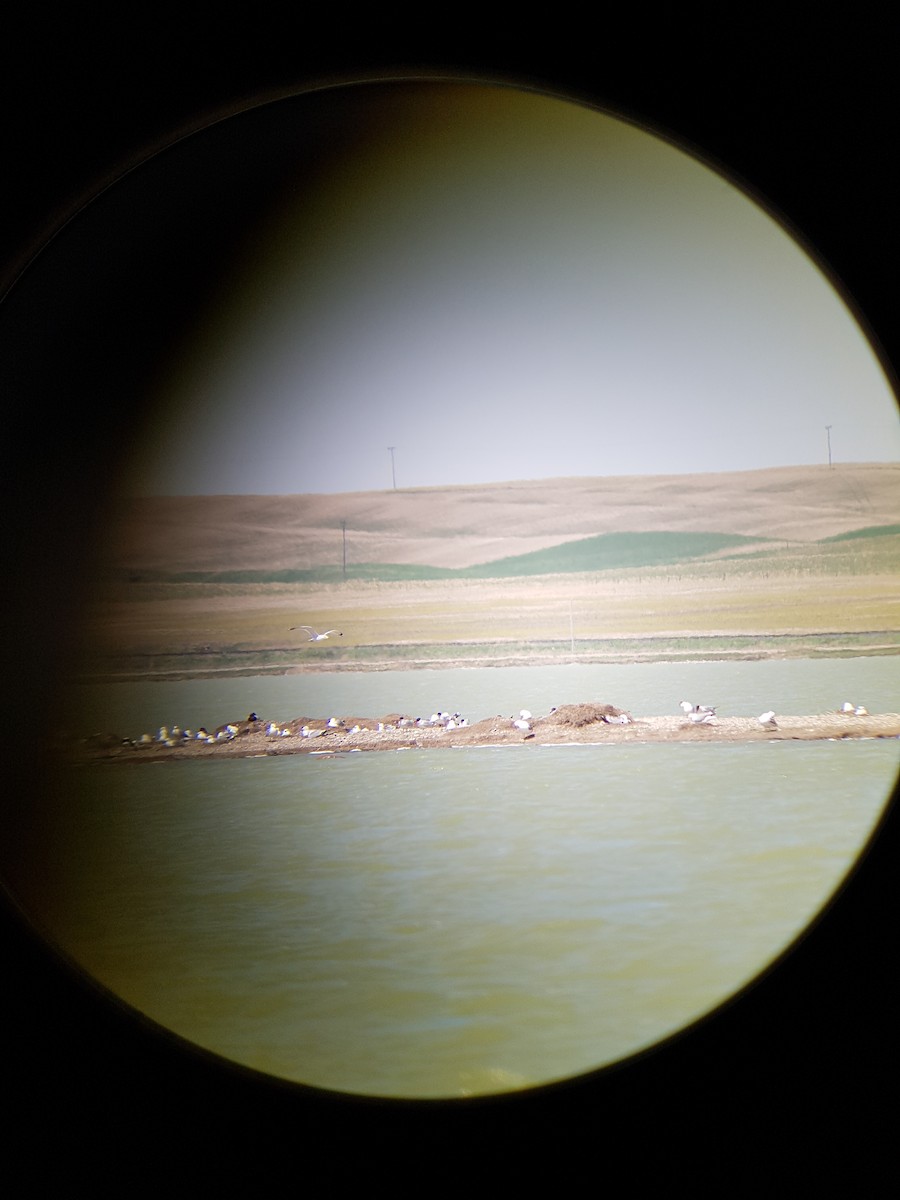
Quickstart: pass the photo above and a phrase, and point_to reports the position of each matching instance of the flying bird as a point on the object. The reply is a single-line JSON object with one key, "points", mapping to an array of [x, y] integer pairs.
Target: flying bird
{"points": [[317, 637]]}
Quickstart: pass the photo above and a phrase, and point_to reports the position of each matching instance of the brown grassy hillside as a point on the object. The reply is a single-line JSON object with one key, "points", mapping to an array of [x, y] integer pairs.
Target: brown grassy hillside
{"points": [[464, 525]]}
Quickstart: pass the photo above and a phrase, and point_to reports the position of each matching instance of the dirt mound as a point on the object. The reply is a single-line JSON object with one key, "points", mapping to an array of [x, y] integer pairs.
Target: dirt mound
{"points": [[575, 716]]}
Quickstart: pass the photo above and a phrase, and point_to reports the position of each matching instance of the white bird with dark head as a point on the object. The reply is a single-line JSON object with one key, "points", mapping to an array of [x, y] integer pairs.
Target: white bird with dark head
{"points": [[702, 716], [317, 637]]}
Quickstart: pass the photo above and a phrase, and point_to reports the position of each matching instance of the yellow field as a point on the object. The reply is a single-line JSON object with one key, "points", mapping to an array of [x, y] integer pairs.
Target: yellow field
{"points": [[843, 595], [203, 619]]}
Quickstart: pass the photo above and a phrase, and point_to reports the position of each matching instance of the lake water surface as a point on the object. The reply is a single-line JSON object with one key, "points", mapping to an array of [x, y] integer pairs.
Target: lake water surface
{"points": [[454, 922]]}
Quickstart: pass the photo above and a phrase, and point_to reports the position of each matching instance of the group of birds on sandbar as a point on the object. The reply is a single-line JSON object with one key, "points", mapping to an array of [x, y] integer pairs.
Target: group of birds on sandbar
{"points": [[704, 714], [337, 725], [175, 735]]}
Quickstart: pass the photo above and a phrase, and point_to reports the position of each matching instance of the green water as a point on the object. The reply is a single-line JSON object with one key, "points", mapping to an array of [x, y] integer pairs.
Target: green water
{"points": [[452, 922]]}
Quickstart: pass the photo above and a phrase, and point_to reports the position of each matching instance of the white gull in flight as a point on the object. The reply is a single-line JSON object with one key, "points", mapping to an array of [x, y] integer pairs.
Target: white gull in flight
{"points": [[317, 637]]}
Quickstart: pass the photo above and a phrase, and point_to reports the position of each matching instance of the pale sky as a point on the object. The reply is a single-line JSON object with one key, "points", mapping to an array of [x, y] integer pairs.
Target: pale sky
{"points": [[502, 285]]}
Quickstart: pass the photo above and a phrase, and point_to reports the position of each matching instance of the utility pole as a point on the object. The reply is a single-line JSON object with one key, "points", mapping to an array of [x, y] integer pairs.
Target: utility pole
{"points": [[344, 546], [393, 473], [828, 436]]}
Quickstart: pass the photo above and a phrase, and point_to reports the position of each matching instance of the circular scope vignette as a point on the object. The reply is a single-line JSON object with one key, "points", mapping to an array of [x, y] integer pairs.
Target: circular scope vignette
{"points": [[517, 399]]}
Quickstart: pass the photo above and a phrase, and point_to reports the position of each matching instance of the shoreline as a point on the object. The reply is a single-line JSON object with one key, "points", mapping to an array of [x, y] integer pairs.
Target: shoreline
{"points": [[476, 662], [573, 724]]}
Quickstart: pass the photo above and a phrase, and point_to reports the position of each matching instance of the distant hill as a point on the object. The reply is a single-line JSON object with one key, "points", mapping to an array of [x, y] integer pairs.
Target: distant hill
{"points": [[560, 524]]}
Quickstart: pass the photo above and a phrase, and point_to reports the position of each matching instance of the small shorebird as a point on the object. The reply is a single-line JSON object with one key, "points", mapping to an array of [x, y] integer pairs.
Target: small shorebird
{"points": [[690, 710], [317, 637], [767, 720]]}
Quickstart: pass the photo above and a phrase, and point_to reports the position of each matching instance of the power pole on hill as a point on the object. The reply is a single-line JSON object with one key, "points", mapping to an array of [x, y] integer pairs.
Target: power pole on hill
{"points": [[828, 436], [393, 473]]}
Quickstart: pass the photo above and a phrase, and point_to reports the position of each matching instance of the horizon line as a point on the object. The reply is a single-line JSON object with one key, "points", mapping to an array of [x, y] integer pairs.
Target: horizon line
{"points": [[495, 483]]}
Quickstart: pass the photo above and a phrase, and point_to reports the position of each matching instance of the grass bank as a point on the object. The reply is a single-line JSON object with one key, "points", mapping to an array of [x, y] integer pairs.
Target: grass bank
{"points": [[210, 663]]}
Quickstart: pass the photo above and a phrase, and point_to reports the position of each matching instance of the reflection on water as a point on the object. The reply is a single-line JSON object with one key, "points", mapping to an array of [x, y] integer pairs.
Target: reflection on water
{"points": [[455, 921]]}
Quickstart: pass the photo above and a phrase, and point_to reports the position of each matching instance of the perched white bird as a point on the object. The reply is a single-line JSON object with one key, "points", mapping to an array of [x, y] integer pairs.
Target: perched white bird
{"points": [[847, 707], [859, 711], [767, 719], [524, 714], [522, 724], [690, 709], [702, 716], [317, 637], [273, 730]]}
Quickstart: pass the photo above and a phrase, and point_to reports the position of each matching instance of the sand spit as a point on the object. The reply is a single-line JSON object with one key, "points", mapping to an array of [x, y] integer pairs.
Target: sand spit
{"points": [[582, 724]]}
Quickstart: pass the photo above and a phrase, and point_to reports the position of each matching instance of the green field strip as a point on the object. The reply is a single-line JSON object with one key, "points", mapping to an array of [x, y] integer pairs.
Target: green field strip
{"points": [[870, 531], [604, 552]]}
